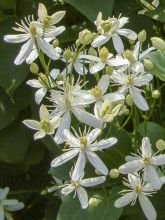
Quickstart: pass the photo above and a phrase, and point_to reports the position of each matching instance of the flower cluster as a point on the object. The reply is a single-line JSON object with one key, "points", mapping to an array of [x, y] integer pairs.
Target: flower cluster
{"points": [[87, 94]]}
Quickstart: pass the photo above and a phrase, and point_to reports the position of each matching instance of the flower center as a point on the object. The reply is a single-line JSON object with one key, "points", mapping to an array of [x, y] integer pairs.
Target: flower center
{"points": [[45, 125], [83, 142], [33, 31], [138, 188], [129, 80], [75, 184], [96, 92], [146, 160], [47, 21], [106, 26], [107, 111], [103, 54]]}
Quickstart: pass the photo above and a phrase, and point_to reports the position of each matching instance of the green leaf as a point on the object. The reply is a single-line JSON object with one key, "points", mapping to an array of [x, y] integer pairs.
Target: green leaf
{"points": [[158, 60], [13, 145], [100, 208], [157, 14], [151, 130], [7, 4], [91, 8]]}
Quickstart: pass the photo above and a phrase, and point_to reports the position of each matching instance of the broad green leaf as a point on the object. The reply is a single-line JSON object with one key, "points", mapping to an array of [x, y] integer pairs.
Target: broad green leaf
{"points": [[7, 4], [151, 130], [91, 8], [101, 207], [157, 14], [158, 60]]}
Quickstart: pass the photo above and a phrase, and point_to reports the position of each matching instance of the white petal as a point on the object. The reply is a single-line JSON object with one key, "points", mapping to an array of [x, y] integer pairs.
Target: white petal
{"points": [[39, 134], [70, 138], [93, 135], [90, 57], [87, 118], [67, 190], [43, 112], [33, 124], [124, 200], [118, 44], [131, 167], [3, 193], [79, 167], [115, 96], [34, 83], [130, 158], [123, 21], [8, 216], [32, 56], [104, 83], [9, 202], [24, 52], [100, 40], [80, 68], [20, 38], [64, 157], [54, 73], [146, 147], [158, 160], [127, 33], [146, 52], [143, 79], [42, 11], [97, 163], [53, 32], [147, 207], [97, 67], [93, 181], [83, 197], [2, 214], [56, 17], [153, 177], [54, 122], [64, 124], [104, 144], [117, 61], [39, 95], [138, 99], [15, 207]]}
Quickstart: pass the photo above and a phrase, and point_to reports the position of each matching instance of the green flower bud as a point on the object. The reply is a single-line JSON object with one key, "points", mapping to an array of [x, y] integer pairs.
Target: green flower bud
{"points": [[131, 41], [85, 37], [68, 54], [155, 94], [148, 64], [126, 111], [158, 43], [77, 43], [55, 43], [109, 70], [142, 36], [160, 144], [92, 51], [34, 68], [129, 55], [114, 173], [129, 100]]}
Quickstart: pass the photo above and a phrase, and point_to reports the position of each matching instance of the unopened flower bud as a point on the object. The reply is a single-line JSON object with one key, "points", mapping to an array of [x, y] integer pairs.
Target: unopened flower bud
{"points": [[114, 173], [129, 55], [109, 70], [155, 94], [92, 51], [160, 144], [34, 68], [126, 111], [129, 100], [77, 43], [42, 79], [103, 54], [158, 43], [148, 64], [97, 172], [55, 43], [68, 54], [142, 36], [131, 41], [85, 37], [94, 202]]}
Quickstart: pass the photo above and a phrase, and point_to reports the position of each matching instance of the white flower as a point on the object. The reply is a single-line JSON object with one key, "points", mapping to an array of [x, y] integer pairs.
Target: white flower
{"points": [[138, 189], [77, 185], [146, 161], [105, 58], [72, 100], [45, 126], [8, 205], [112, 28], [36, 38], [84, 147], [130, 83], [43, 84]]}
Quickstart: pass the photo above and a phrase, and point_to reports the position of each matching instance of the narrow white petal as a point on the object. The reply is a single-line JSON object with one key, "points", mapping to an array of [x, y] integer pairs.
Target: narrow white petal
{"points": [[54, 32], [123, 21], [39, 95], [97, 67], [54, 122], [34, 83], [67, 190], [56, 17], [147, 207], [15, 207], [24, 52], [153, 177], [143, 80], [32, 56], [131, 167], [97, 163], [118, 44], [93, 134], [80, 68], [79, 167], [104, 144], [87, 118], [158, 160], [83, 197], [91, 58], [70, 138], [146, 52], [130, 158], [8, 216], [124, 200], [115, 96], [127, 33], [104, 83], [93, 181], [64, 158], [43, 112], [20, 38], [39, 134], [42, 11], [138, 99], [33, 124], [3, 193], [118, 61], [146, 147], [9, 202], [100, 40], [2, 214]]}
